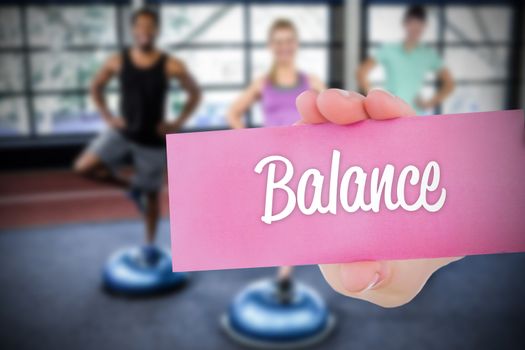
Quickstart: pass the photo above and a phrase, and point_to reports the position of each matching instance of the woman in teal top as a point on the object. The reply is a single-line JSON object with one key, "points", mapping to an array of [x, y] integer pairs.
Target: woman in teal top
{"points": [[406, 64]]}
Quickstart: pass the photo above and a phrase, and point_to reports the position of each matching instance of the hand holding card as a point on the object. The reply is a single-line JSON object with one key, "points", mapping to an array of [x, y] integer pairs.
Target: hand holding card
{"points": [[454, 188], [385, 283]]}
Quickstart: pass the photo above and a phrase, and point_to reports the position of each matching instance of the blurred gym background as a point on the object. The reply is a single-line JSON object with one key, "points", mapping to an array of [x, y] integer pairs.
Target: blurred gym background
{"points": [[56, 230]]}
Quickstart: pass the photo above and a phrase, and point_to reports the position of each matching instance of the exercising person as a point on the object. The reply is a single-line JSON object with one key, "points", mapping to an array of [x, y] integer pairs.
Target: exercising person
{"points": [[144, 74], [277, 92], [407, 63]]}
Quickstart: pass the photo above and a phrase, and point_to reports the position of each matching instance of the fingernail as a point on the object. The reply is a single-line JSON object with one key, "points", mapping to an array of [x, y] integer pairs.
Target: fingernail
{"points": [[374, 282], [344, 93], [383, 91]]}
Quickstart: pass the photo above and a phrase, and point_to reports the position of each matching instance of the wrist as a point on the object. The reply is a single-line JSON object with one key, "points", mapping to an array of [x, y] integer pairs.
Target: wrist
{"points": [[108, 117], [435, 101], [178, 123]]}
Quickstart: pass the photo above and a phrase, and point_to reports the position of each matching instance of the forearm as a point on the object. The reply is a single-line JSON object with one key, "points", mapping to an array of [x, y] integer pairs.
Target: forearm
{"points": [[99, 99], [363, 73], [363, 81], [446, 87], [243, 103], [445, 91], [189, 107], [235, 120]]}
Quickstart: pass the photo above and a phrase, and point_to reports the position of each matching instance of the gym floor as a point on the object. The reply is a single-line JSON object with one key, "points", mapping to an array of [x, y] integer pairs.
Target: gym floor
{"points": [[51, 295], [51, 299]]}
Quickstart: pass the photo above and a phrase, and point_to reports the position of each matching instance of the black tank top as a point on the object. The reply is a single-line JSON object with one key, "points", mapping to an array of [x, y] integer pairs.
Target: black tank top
{"points": [[142, 99]]}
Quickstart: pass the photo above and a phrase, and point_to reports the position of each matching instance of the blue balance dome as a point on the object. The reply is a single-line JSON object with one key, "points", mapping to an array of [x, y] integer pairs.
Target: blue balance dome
{"points": [[141, 271], [257, 317]]}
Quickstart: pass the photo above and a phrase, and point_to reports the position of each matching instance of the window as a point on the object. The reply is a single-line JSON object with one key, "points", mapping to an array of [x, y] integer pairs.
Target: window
{"points": [[201, 23], [473, 41], [49, 53], [14, 119], [385, 24], [202, 34], [476, 48], [10, 27], [44, 76], [311, 21]]}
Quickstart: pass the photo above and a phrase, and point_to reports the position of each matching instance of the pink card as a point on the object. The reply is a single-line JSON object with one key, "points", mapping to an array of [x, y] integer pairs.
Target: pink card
{"points": [[419, 187]]}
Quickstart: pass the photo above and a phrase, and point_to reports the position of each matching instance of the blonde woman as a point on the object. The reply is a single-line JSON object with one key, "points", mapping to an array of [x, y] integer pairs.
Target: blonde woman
{"points": [[277, 92]]}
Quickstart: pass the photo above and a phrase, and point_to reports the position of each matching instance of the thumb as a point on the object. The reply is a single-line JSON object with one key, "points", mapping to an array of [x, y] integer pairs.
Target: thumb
{"points": [[385, 283]]}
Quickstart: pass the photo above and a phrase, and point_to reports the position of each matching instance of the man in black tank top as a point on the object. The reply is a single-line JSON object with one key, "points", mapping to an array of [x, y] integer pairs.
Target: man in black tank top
{"points": [[139, 132]]}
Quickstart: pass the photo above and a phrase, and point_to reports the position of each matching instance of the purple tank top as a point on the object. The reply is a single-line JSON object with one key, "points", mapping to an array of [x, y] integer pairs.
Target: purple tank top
{"points": [[278, 104]]}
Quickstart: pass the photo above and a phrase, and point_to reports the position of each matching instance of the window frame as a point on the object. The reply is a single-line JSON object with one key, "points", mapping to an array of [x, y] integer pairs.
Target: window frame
{"points": [[30, 94], [441, 44]]}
